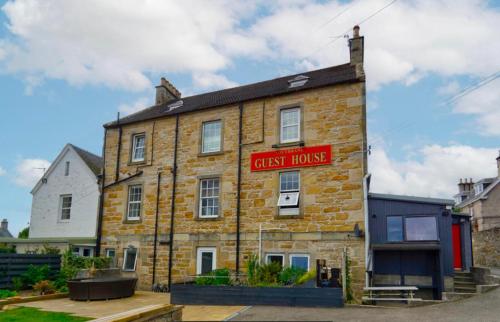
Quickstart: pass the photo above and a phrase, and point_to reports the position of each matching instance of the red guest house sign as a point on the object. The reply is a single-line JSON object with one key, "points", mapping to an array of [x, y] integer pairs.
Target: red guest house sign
{"points": [[292, 158]]}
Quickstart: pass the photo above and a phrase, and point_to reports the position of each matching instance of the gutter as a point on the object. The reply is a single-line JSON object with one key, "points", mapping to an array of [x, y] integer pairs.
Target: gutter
{"points": [[101, 198], [367, 229], [156, 228], [172, 205], [238, 193]]}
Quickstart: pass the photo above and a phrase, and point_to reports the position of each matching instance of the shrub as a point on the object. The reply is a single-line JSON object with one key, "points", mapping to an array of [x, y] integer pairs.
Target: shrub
{"points": [[35, 274], [215, 277], [268, 273], [17, 283], [290, 275], [252, 268], [72, 263], [7, 293], [49, 250], [44, 287], [306, 277], [7, 249]]}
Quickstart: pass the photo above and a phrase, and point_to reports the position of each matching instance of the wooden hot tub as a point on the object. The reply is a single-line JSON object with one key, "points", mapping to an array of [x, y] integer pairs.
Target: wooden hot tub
{"points": [[101, 288]]}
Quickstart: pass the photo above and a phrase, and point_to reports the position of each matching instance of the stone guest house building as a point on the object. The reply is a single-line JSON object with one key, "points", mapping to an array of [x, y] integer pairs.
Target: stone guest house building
{"points": [[190, 181]]}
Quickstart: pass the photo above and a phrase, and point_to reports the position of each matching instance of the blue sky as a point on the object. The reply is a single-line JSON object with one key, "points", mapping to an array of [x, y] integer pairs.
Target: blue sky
{"points": [[67, 67]]}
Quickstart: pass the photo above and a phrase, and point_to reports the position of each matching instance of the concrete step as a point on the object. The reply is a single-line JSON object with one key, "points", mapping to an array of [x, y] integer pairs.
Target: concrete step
{"points": [[460, 273], [462, 283], [463, 278], [465, 289]]}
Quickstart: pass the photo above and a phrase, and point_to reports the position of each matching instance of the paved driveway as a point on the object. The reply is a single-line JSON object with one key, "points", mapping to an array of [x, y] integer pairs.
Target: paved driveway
{"points": [[483, 307], [98, 309]]}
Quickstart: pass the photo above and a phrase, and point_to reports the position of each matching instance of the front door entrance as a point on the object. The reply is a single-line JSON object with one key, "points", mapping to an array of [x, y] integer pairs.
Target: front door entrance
{"points": [[457, 246]]}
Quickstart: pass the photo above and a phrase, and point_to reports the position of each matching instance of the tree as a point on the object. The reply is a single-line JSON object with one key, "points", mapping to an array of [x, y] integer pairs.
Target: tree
{"points": [[24, 233]]}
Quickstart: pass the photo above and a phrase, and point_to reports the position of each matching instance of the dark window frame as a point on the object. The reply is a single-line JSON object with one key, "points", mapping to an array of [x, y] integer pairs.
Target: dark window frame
{"points": [[403, 222]]}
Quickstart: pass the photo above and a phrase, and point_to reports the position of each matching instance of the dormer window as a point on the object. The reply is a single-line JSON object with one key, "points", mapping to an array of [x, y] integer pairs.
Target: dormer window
{"points": [[298, 81], [175, 105], [478, 188]]}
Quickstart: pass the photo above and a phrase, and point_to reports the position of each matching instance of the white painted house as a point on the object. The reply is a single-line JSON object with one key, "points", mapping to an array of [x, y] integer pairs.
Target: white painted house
{"points": [[65, 203]]}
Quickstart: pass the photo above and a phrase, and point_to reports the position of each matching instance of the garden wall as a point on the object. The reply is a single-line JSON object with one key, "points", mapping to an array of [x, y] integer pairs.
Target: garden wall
{"points": [[190, 294], [14, 265]]}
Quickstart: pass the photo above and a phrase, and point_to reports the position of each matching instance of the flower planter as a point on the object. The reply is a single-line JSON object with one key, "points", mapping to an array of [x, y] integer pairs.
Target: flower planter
{"points": [[190, 294]]}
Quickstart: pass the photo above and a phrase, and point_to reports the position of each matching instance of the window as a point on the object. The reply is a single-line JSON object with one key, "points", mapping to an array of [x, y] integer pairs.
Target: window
{"points": [[83, 251], [211, 137], [288, 201], [275, 258], [76, 251], [129, 259], [66, 207], [290, 125], [421, 228], [206, 260], [209, 198], [394, 228], [478, 188], [110, 252], [134, 202], [138, 147], [87, 252], [300, 261], [66, 170]]}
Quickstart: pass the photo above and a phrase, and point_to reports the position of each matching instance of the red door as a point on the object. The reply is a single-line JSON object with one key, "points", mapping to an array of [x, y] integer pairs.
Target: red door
{"points": [[457, 246]]}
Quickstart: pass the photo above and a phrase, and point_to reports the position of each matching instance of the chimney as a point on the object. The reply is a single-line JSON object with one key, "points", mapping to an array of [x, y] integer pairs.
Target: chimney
{"points": [[498, 163], [356, 50], [5, 224], [166, 92], [461, 186]]}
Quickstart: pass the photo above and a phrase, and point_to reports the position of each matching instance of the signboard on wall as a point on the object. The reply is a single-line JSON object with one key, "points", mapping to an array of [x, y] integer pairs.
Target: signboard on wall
{"points": [[291, 158]]}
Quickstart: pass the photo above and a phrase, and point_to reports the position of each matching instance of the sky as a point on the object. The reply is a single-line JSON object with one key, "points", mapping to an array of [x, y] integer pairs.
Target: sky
{"points": [[433, 76]]}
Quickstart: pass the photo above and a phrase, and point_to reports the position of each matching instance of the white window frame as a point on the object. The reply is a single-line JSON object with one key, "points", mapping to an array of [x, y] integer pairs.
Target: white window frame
{"points": [[199, 252], [201, 198], [203, 136], [125, 254], [108, 250], [301, 255], [277, 255], [478, 188], [61, 208], [81, 249], [134, 147], [289, 210], [134, 202], [282, 126]]}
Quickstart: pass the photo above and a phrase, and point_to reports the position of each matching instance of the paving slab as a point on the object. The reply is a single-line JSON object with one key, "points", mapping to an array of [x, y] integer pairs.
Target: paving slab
{"points": [[99, 309]]}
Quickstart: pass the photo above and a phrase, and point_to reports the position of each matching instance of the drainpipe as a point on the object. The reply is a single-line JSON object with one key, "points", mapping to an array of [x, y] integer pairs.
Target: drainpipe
{"points": [[117, 169], [172, 205], [156, 228], [238, 199], [101, 198], [367, 228]]}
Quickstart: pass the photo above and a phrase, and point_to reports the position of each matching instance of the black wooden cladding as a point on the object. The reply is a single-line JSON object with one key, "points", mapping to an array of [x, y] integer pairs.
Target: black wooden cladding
{"points": [[15, 265], [189, 294]]}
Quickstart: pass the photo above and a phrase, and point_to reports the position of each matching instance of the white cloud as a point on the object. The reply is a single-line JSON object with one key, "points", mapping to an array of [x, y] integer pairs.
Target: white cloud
{"points": [[449, 89], [212, 81], [2, 171], [484, 105], [403, 43], [29, 171], [435, 173], [117, 43], [139, 104]]}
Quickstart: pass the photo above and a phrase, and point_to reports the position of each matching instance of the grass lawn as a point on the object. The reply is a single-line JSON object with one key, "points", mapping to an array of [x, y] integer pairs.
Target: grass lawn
{"points": [[23, 314]]}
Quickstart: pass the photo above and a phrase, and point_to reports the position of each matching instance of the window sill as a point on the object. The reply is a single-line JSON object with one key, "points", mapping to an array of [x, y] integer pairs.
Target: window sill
{"points": [[289, 144], [132, 221], [132, 163], [208, 218], [209, 154]]}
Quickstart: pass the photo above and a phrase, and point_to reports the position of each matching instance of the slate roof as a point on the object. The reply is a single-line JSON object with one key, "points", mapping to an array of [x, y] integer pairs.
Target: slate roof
{"points": [[436, 201], [5, 233], [482, 195], [93, 161], [274, 87]]}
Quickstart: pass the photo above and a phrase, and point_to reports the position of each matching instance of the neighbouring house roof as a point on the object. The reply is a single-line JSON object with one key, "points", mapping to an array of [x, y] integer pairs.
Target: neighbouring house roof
{"points": [[483, 195], [94, 162], [5, 233], [278, 86], [437, 201]]}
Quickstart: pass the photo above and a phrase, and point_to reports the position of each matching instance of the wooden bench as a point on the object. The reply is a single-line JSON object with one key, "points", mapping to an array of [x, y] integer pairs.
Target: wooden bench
{"points": [[407, 293]]}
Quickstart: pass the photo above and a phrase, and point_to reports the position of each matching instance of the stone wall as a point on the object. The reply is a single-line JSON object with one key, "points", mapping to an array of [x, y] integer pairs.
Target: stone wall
{"points": [[331, 196], [486, 247]]}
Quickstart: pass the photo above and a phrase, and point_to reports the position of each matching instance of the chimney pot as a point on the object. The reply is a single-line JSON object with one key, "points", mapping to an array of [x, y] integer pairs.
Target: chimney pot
{"points": [[355, 31], [498, 163]]}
